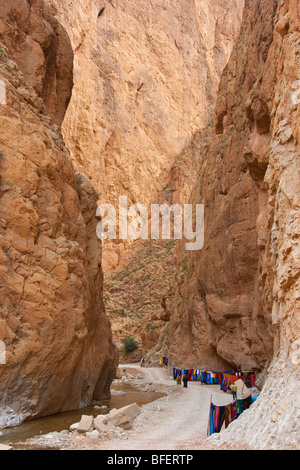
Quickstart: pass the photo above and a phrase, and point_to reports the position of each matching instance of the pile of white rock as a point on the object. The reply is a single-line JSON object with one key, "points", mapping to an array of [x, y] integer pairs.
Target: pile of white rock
{"points": [[114, 421]]}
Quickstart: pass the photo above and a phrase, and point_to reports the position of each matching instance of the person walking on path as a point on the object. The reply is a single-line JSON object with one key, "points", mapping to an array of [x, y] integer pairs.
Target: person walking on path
{"points": [[185, 381], [178, 379], [234, 390]]}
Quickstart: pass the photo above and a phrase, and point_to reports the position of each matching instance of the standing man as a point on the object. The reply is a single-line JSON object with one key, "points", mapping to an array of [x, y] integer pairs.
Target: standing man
{"points": [[185, 380], [234, 390]]}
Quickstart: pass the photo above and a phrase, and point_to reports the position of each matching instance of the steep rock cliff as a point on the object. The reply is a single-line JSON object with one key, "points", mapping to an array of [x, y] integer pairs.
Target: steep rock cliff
{"points": [[221, 320], [42, 50], [145, 80], [59, 351], [241, 294], [138, 295]]}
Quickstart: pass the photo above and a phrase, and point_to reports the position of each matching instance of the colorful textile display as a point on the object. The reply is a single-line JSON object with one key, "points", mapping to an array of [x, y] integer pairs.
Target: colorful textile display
{"points": [[207, 377], [224, 379], [228, 378], [243, 404], [226, 414], [218, 416]]}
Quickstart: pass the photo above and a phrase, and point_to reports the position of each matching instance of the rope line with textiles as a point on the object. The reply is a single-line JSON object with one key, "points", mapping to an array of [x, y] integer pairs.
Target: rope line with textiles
{"points": [[228, 378], [224, 379], [220, 415]]}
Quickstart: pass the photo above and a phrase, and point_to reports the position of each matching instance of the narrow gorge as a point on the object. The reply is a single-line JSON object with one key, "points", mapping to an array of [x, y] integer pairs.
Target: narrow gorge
{"points": [[146, 77], [159, 102]]}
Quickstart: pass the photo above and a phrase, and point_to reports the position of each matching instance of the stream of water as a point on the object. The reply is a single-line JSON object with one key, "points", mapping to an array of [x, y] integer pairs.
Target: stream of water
{"points": [[63, 421]]}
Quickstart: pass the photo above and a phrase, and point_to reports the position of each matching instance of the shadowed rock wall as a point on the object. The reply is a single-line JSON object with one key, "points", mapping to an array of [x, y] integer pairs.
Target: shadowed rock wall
{"points": [[59, 350]]}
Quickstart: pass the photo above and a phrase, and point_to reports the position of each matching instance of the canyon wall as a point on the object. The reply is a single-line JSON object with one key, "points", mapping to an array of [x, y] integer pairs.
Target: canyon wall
{"points": [[240, 295], [41, 48], [59, 350], [219, 317], [146, 76], [138, 294]]}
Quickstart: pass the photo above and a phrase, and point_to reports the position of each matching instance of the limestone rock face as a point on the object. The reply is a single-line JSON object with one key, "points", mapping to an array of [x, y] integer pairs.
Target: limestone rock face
{"points": [[240, 298], [146, 76], [42, 50], [59, 351], [222, 319]]}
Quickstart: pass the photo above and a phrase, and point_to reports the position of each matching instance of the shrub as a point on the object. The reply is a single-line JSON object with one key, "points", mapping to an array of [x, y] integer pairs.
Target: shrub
{"points": [[130, 344]]}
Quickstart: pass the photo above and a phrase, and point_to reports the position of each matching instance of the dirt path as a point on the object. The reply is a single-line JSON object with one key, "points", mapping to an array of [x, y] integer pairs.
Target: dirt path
{"points": [[175, 422]]}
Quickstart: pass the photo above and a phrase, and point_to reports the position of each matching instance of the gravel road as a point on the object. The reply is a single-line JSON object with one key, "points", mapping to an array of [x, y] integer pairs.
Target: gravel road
{"points": [[175, 422]]}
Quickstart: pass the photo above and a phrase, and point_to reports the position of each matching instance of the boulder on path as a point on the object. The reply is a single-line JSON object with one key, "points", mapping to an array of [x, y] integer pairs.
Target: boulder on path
{"points": [[86, 424], [100, 423], [125, 416]]}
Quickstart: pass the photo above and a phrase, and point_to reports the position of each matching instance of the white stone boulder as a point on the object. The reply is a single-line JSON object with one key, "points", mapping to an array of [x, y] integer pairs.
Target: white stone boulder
{"points": [[100, 423], [102, 407], [125, 416], [86, 424], [74, 427]]}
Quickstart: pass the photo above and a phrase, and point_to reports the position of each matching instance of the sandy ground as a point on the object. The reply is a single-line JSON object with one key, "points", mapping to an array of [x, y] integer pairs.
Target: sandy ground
{"points": [[177, 421]]}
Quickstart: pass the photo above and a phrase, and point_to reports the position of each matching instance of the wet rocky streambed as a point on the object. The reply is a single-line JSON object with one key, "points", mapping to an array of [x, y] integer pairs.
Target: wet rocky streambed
{"points": [[123, 394]]}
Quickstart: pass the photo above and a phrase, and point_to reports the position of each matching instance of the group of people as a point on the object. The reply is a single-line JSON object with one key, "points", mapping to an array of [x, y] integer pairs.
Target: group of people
{"points": [[183, 379], [163, 361]]}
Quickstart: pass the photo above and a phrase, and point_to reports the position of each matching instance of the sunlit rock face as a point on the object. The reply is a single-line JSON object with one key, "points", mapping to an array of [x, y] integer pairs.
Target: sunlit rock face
{"points": [[59, 352], [146, 76]]}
